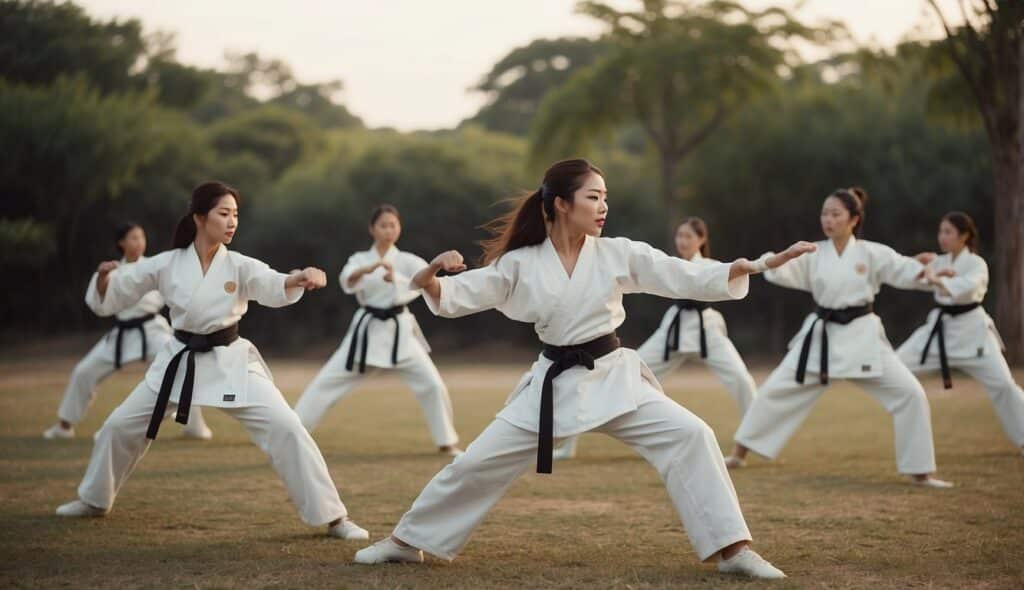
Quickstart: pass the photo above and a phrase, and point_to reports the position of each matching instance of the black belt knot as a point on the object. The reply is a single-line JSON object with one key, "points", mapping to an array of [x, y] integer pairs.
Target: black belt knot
{"points": [[123, 326], [825, 315], [363, 323], [564, 358], [673, 336], [194, 344], [939, 329]]}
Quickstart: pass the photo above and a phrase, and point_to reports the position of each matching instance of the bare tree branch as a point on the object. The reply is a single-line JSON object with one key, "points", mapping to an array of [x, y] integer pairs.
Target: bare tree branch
{"points": [[644, 116], [703, 133], [958, 59]]}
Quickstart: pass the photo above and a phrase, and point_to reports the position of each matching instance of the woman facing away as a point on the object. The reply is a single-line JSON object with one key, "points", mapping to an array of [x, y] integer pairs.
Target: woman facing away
{"points": [[843, 338], [383, 335], [208, 289], [958, 333], [549, 266], [692, 330]]}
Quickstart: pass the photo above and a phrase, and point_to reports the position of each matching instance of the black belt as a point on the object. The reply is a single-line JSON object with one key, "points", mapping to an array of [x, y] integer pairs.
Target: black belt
{"points": [[133, 324], [194, 343], [825, 315], [673, 336], [940, 330], [565, 358], [372, 313]]}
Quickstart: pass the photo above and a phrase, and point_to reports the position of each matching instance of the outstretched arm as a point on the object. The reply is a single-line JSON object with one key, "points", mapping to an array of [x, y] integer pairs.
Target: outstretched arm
{"points": [[114, 289], [654, 272], [426, 279], [742, 266], [270, 288], [470, 292]]}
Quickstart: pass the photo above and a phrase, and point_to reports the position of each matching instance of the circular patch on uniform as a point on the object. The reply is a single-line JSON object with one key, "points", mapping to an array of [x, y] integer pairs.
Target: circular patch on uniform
{"points": [[230, 286], [861, 268]]}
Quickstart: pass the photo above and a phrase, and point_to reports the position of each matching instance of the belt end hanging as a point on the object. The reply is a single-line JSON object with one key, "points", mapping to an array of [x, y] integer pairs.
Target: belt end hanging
{"points": [[545, 459], [545, 454]]}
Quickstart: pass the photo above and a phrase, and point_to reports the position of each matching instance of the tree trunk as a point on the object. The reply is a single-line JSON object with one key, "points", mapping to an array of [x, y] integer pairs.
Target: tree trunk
{"points": [[669, 200], [1008, 167], [1009, 248]]}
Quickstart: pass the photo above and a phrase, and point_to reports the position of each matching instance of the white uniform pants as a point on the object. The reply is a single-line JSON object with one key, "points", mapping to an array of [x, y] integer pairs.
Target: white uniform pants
{"points": [[273, 426], [679, 444], [334, 382], [81, 389], [782, 404], [994, 375], [723, 359]]}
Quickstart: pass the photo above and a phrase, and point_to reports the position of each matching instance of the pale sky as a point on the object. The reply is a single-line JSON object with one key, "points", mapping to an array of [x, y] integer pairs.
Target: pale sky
{"points": [[409, 64]]}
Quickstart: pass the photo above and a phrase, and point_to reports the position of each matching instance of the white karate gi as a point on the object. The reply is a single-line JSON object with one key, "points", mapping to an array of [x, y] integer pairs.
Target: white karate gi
{"points": [[619, 397], [233, 378], [335, 381], [722, 357], [858, 351], [98, 363], [973, 344]]}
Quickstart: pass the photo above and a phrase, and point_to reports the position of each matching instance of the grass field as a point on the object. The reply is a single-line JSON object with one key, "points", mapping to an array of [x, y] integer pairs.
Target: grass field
{"points": [[832, 512]]}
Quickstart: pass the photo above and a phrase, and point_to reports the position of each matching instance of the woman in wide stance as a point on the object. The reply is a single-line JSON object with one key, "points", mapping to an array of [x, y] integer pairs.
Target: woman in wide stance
{"points": [[958, 333], [139, 332], [383, 335], [843, 338], [569, 283], [692, 330], [208, 289]]}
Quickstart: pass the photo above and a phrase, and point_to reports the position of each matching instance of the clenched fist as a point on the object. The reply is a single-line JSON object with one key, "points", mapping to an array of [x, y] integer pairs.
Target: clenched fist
{"points": [[450, 261], [309, 278]]}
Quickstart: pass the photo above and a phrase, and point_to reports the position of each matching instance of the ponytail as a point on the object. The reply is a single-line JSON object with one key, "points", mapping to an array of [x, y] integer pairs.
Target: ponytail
{"points": [[204, 198], [522, 226], [184, 232], [526, 224]]}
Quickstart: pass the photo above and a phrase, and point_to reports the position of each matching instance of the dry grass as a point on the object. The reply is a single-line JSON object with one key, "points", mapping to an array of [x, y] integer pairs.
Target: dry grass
{"points": [[832, 513]]}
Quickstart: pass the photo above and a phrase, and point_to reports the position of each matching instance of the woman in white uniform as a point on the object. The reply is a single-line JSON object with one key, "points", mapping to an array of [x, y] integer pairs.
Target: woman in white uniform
{"points": [[958, 333], [208, 289], [692, 330], [139, 332], [843, 338], [549, 266], [383, 335]]}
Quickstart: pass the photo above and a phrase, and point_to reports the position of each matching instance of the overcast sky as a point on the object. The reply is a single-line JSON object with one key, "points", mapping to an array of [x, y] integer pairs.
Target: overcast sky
{"points": [[410, 63]]}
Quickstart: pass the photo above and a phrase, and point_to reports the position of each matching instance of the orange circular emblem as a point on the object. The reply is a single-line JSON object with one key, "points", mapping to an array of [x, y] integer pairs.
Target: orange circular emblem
{"points": [[230, 286], [861, 268]]}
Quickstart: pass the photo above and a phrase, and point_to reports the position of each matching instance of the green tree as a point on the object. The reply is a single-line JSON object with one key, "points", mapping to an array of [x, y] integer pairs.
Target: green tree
{"points": [[676, 69], [68, 151], [316, 101], [43, 40], [518, 83], [249, 75], [276, 136], [988, 51]]}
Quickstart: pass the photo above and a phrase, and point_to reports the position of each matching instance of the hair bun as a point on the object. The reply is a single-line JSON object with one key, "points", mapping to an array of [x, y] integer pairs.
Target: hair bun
{"points": [[861, 194]]}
